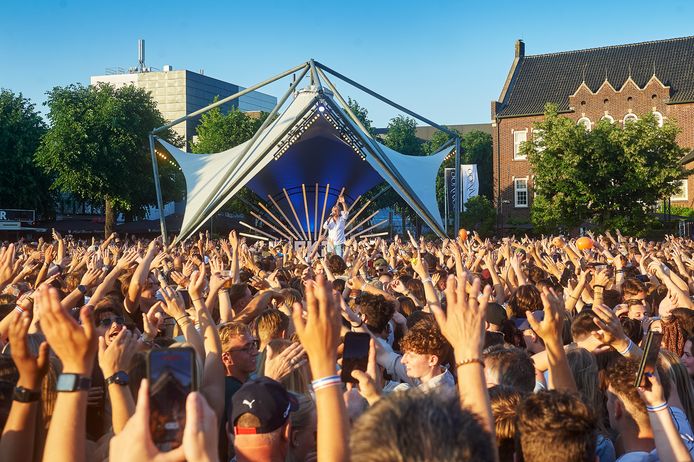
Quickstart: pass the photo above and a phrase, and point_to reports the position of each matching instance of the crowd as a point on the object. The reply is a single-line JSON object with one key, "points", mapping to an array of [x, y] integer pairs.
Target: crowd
{"points": [[482, 350]]}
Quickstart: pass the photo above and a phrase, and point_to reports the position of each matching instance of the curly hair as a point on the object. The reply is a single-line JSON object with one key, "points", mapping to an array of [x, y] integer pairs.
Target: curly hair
{"points": [[557, 420], [377, 309], [336, 264], [425, 338], [525, 298]]}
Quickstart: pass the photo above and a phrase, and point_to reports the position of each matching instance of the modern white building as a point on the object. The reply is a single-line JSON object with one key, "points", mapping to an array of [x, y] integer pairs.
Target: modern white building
{"points": [[180, 92]]}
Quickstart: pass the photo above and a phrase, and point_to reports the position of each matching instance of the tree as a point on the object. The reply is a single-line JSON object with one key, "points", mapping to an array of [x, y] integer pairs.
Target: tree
{"points": [[609, 177], [23, 185], [362, 114], [479, 215], [97, 148], [218, 132], [476, 147]]}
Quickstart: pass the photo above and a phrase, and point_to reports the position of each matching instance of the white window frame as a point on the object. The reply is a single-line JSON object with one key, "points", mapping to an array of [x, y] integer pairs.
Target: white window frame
{"points": [[659, 117], [683, 195], [608, 117], [631, 117], [517, 144], [537, 138], [585, 121], [517, 190]]}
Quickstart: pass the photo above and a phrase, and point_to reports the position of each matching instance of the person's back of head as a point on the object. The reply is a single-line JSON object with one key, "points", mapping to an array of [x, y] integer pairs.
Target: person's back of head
{"points": [[416, 426], [554, 425], [378, 311], [271, 324], [632, 287], [510, 366], [525, 298], [504, 401], [583, 325]]}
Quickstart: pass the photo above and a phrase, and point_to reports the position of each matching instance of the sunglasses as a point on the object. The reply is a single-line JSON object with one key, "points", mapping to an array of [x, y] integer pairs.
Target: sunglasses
{"points": [[108, 321], [253, 346]]}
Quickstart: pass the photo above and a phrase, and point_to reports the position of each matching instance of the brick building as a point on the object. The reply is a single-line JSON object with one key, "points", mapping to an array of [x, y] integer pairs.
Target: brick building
{"points": [[617, 83]]}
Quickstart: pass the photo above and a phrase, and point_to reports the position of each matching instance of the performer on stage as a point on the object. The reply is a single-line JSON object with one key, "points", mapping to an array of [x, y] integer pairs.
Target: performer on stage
{"points": [[336, 227]]}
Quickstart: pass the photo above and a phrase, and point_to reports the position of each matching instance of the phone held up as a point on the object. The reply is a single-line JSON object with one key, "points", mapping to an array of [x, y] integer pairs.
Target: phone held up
{"points": [[171, 375], [649, 358], [355, 355]]}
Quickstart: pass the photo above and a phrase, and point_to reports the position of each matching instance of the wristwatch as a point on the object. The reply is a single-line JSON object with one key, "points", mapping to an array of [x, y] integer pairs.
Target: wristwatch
{"points": [[24, 395], [119, 378], [82, 289], [73, 382]]}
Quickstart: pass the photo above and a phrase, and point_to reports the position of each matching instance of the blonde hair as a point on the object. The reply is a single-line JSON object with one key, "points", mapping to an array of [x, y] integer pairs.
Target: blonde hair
{"points": [[680, 377]]}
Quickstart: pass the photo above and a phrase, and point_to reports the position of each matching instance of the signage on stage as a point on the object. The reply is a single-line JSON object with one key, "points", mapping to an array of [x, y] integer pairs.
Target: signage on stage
{"points": [[20, 215], [470, 186]]}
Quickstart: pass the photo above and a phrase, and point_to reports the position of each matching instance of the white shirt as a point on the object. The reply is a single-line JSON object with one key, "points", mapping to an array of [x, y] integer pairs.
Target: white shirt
{"points": [[336, 228]]}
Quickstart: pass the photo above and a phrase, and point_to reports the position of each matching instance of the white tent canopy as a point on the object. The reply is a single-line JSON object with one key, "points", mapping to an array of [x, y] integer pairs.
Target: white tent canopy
{"points": [[212, 179]]}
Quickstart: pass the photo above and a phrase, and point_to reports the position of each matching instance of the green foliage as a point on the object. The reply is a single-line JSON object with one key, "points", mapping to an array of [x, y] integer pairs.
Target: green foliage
{"points": [[479, 215], [362, 114], [218, 132], [97, 147], [23, 185], [402, 136], [476, 147], [609, 177]]}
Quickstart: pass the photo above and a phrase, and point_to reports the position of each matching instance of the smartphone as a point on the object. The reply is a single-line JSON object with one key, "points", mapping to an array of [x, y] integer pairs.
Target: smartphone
{"points": [[171, 375], [355, 355], [643, 278], [186, 297], [649, 358]]}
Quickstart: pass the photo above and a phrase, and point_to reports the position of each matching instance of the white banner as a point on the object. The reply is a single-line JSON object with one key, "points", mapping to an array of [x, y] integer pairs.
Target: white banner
{"points": [[471, 182]]}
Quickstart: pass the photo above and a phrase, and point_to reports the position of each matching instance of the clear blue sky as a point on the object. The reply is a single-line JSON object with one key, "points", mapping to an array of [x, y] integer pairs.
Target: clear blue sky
{"points": [[444, 59]]}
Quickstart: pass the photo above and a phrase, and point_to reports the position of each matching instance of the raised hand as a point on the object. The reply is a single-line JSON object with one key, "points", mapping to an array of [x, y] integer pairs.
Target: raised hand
{"points": [[280, 365], [152, 320], [463, 324], [117, 355], [611, 331], [73, 343], [7, 264], [320, 332], [31, 369], [550, 328]]}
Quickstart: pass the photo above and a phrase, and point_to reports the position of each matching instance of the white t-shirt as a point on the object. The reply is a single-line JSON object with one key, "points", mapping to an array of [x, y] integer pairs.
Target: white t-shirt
{"points": [[336, 228]]}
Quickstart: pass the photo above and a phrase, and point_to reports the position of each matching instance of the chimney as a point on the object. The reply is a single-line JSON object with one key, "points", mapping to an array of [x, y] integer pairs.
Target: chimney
{"points": [[520, 48], [141, 55]]}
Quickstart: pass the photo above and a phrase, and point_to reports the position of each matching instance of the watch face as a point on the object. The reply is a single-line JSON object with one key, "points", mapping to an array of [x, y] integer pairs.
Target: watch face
{"points": [[121, 378], [67, 382]]}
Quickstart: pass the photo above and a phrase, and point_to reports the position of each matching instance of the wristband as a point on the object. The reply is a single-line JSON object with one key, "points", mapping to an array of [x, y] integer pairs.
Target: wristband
{"points": [[325, 382], [182, 317], [657, 407], [628, 348], [19, 309], [598, 286], [426, 280], [469, 361], [196, 300]]}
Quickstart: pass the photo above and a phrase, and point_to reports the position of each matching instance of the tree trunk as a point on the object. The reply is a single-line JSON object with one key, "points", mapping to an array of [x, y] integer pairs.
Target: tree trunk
{"points": [[110, 223]]}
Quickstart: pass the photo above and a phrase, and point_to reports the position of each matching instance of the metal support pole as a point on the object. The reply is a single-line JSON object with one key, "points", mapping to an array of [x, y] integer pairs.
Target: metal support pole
{"points": [[458, 186], [228, 98], [157, 187]]}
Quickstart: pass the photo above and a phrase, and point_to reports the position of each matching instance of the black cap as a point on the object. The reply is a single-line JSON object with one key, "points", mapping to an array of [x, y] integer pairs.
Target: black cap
{"points": [[266, 399], [496, 314]]}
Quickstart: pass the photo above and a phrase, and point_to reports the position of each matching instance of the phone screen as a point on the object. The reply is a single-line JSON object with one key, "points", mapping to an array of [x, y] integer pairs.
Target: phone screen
{"points": [[171, 374], [355, 355], [649, 359]]}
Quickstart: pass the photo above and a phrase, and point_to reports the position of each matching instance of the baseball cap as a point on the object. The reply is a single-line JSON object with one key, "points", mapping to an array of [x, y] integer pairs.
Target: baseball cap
{"points": [[496, 314], [267, 400]]}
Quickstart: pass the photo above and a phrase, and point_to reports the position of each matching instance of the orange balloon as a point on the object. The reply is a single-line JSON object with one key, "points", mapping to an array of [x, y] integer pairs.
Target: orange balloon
{"points": [[462, 234], [584, 243]]}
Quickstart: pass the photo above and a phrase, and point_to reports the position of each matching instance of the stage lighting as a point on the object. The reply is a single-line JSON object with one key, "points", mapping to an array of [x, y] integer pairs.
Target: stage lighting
{"points": [[321, 108]]}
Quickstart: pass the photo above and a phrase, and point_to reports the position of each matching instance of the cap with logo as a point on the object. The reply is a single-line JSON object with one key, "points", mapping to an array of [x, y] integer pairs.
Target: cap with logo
{"points": [[267, 400]]}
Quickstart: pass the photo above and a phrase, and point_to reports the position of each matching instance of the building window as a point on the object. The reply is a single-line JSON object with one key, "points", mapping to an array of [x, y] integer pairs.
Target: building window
{"points": [[519, 137], [609, 118], [520, 192], [538, 139], [631, 117], [658, 118], [682, 193], [585, 121]]}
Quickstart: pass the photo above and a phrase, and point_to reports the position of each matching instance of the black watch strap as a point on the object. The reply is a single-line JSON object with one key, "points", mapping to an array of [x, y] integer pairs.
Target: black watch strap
{"points": [[24, 395], [82, 289], [119, 378]]}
